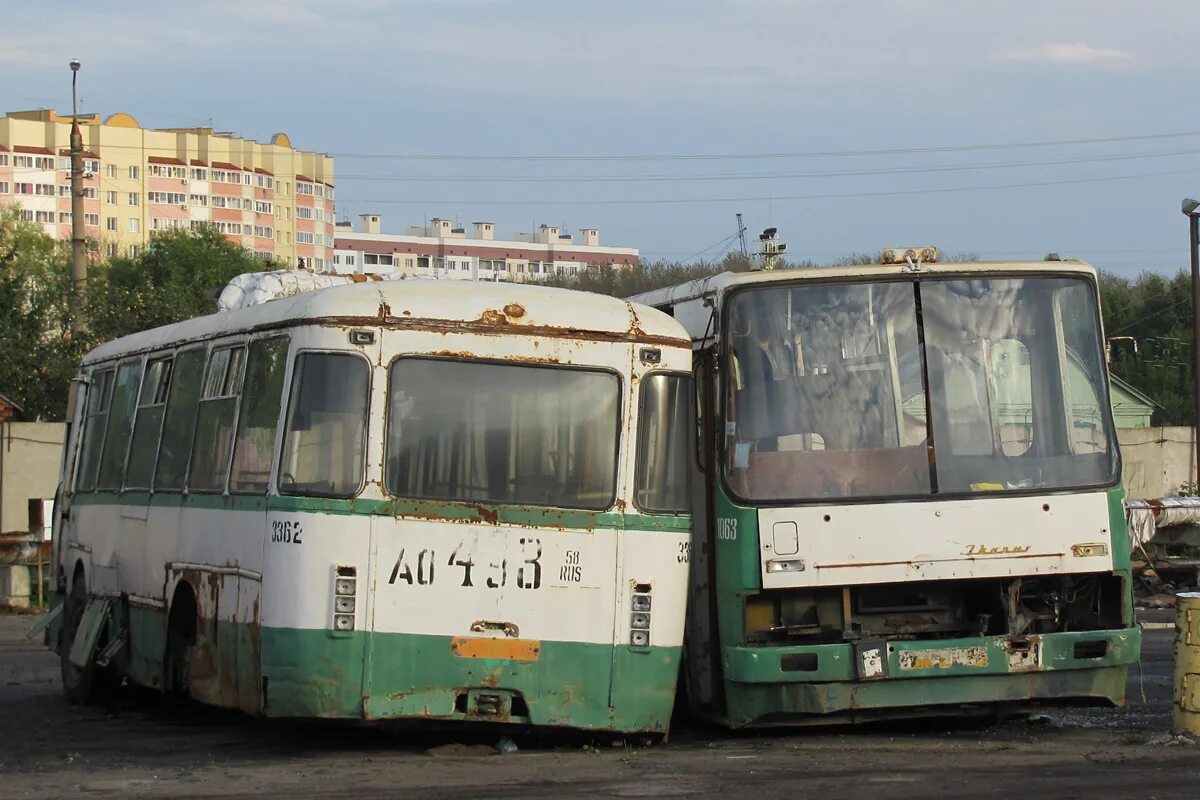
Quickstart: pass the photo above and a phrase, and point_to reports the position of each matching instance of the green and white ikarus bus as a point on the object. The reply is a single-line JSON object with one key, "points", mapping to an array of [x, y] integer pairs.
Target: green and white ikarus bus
{"points": [[404, 500], [907, 496]]}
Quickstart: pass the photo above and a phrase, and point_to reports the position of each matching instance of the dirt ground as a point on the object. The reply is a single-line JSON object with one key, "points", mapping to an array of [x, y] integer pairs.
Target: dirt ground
{"points": [[49, 749]]}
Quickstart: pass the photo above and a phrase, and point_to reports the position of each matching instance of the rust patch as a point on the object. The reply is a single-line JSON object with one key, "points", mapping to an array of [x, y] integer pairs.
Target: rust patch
{"points": [[620, 505], [507, 649], [488, 515], [514, 310], [385, 310], [492, 318]]}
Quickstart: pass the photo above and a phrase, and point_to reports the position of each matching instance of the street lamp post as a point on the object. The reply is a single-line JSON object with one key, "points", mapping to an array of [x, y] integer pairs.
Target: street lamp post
{"points": [[1190, 211], [78, 241]]}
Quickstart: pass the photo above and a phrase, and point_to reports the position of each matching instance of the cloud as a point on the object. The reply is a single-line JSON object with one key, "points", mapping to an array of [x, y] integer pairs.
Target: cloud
{"points": [[1068, 53]]}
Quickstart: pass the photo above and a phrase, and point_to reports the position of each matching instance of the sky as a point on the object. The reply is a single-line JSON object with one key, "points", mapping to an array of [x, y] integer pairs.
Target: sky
{"points": [[1007, 130]]}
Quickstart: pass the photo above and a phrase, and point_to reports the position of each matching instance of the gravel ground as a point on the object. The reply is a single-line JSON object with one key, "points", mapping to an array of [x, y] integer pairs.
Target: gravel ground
{"points": [[136, 750]]}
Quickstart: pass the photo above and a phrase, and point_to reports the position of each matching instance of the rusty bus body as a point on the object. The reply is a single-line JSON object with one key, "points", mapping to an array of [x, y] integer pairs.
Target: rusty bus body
{"points": [[906, 496], [398, 501]]}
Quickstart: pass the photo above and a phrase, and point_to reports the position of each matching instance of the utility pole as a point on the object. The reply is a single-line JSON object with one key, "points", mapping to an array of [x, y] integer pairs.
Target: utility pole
{"points": [[1190, 211], [742, 237], [78, 242]]}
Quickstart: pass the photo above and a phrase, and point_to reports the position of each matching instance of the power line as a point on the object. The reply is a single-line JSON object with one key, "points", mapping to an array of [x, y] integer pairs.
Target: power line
{"points": [[828, 196], [799, 154], [728, 240], [1148, 317], [761, 175]]}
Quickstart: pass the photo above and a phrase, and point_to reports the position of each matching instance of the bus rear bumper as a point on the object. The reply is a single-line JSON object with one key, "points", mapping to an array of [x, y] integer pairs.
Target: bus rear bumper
{"points": [[402, 678], [842, 682]]}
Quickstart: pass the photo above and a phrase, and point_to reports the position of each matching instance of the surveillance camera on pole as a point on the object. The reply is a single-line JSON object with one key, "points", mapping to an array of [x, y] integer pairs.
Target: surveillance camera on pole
{"points": [[770, 249]]}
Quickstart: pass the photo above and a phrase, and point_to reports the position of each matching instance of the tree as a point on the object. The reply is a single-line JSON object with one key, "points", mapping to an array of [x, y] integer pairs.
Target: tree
{"points": [[38, 355], [1148, 322], [176, 278]]}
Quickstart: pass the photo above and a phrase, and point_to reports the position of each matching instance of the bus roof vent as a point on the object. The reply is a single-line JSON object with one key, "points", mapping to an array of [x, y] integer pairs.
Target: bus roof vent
{"points": [[1052, 257], [913, 256]]}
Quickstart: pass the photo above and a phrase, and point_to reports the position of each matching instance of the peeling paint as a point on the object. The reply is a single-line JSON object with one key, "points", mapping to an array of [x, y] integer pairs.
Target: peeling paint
{"points": [[942, 658]]}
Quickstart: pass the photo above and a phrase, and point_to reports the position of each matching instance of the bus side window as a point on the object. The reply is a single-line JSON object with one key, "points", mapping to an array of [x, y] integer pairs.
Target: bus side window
{"points": [[215, 418], [120, 425], [95, 423], [152, 401], [324, 442], [662, 454], [255, 441], [179, 421]]}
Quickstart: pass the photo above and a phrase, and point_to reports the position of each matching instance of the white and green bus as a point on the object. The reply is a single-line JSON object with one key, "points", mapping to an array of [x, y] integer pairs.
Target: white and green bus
{"points": [[407, 500], [906, 493]]}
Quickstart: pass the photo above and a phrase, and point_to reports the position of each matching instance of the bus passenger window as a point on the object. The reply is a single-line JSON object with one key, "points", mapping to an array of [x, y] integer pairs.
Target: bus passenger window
{"points": [[324, 442], [152, 400], [99, 397], [120, 422], [214, 420], [255, 441], [179, 421], [663, 466]]}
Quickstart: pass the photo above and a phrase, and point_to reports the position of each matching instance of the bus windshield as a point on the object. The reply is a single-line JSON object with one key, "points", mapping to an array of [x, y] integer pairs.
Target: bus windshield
{"points": [[911, 388], [473, 431]]}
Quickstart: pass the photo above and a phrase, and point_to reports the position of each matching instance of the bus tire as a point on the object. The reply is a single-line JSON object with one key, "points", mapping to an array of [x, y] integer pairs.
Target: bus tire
{"points": [[81, 685]]}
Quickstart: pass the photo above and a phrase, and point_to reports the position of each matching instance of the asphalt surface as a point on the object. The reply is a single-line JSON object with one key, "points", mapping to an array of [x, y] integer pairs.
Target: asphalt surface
{"points": [[137, 749]]}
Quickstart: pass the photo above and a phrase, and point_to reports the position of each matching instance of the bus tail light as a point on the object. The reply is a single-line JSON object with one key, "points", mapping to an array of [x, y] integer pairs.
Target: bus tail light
{"points": [[639, 617], [345, 597]]}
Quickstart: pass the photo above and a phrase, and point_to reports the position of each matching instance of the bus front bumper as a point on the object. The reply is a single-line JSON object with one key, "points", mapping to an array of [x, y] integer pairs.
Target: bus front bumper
{"points": [[794, 685]]}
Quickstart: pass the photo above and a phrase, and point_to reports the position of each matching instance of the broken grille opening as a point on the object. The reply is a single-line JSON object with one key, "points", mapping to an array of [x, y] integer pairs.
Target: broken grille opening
{"points": [[937, 610]]}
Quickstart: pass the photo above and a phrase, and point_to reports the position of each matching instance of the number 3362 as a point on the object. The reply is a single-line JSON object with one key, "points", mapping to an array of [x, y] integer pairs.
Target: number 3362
{"points": [[286, 532]]}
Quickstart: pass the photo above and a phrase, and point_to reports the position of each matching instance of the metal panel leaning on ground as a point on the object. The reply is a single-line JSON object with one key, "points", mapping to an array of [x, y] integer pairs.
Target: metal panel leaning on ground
{"points": [[406, 501]]}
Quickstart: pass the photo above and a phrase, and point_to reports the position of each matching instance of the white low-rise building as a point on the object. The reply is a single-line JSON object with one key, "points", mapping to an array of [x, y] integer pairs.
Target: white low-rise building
{"points": [[442, 250]]}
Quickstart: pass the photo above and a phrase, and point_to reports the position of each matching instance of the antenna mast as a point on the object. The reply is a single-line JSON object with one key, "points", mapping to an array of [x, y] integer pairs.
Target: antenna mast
{"points": [[742, 236]]}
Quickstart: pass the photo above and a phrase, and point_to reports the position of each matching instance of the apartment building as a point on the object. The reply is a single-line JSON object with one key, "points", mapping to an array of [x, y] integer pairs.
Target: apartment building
{"points": [[441, 249], [267, 197]]}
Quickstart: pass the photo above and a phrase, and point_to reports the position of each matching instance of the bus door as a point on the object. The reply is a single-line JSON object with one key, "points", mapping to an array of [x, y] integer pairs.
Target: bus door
{"points": [[319, 533]]}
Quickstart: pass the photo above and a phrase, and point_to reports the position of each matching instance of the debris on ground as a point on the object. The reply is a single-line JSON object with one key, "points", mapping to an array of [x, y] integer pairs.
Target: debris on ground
{"points": [[1041, 721], [1171, 740]]}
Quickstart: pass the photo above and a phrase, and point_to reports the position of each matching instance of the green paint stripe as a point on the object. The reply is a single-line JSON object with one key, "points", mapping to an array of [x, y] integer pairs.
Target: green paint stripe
{"points": [[403, 509]]}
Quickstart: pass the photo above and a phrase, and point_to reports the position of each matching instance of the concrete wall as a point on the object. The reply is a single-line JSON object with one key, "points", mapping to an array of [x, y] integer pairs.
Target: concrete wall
{"points": [[1157, 460], [29, 458]]}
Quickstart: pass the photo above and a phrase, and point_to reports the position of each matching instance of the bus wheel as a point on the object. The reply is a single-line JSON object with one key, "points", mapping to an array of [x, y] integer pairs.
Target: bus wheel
{"points": [[81, 685], [181, 636]]}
